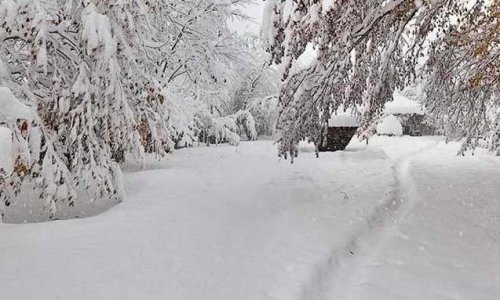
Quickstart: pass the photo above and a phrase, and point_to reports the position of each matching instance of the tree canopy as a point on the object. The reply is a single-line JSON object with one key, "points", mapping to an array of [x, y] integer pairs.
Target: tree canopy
{"points": [[365, 49], [109, 81]]}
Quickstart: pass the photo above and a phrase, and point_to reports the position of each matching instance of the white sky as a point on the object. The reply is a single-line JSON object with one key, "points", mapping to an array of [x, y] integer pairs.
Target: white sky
{"points": [[254, 10]]}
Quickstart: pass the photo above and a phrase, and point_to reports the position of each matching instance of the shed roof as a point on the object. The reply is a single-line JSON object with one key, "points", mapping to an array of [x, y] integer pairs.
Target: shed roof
{"points": [[403, 105]]}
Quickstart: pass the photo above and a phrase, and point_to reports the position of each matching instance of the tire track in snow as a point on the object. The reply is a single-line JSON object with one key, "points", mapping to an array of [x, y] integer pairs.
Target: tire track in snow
{"points": [[337, 275]]}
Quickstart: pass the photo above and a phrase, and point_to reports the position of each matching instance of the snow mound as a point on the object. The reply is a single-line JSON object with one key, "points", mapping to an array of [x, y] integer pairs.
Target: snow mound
{"points": [[344, 119], [6, 163], [403, 105], [390, 126], [10, 108]]}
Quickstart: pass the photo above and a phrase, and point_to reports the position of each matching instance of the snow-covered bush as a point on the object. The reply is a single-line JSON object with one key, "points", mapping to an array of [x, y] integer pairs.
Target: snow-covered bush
{"points": [[228, 129], [390, 126], [28, 158], [224, 130], [182, 119], [245, 123], [265, 112]]}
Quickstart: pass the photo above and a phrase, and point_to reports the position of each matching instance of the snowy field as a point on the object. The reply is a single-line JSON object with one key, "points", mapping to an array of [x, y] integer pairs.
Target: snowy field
{"points": [[401, 218]]}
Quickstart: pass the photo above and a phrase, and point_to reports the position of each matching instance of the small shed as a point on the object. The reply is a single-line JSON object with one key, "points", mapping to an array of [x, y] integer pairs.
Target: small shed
{"points": [[410, 114], [341, 129]]}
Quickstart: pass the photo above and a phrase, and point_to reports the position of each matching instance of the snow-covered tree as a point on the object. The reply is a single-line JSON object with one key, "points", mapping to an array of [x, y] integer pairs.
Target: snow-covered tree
{"points": [[199, 65], [110, 80], [364, 50], [463, 82], [78, 63], [256, 88]]}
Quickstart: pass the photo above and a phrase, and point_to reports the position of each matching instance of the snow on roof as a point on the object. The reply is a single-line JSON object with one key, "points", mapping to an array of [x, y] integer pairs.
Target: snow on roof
{"points": [[344, 119], [11, 108], [390, 126], [403, 105], [6, 162]]}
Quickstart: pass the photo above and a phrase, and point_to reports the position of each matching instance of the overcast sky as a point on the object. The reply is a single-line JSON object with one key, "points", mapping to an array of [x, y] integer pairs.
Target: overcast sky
{"points": [[255, 11]]}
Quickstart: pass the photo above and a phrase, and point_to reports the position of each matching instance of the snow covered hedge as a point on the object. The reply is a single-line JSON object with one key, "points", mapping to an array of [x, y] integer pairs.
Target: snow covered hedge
{"points": [[229, 129]]}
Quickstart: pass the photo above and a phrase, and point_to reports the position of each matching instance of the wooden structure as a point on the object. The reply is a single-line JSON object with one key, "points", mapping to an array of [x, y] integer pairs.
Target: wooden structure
{"points": [[410, 114], [342, 127], [337, 138]]}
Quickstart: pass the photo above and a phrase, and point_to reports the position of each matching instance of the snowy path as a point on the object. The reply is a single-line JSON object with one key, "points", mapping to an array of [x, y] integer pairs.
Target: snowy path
{"points": [[338, 274], [238, 223], [444, 243]]}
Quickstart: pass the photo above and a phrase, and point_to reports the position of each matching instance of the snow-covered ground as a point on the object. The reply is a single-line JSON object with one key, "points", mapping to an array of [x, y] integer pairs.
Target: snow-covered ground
{"points": [[401, 218]]}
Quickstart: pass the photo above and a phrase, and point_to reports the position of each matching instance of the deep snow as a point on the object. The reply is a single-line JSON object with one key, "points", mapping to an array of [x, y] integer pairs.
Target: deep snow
{"points": [[401, 218], [402, 105], [344, 119]]}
